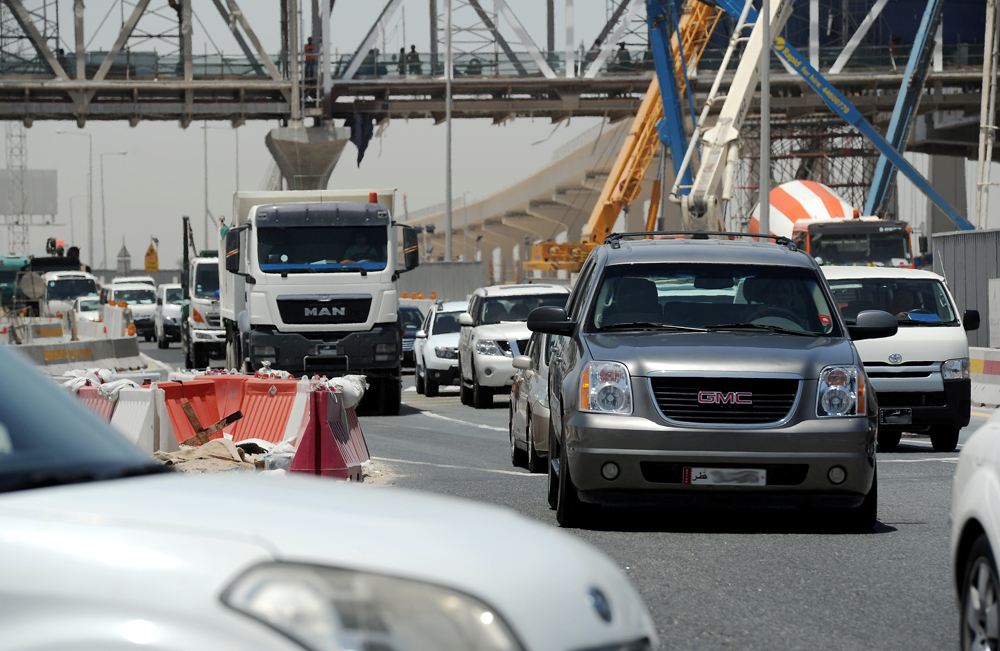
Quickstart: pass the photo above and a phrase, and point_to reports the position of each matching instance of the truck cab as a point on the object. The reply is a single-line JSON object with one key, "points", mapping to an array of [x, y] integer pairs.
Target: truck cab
{"points": [[309, 287], [206, 338], [862, 241], [62, 288]]}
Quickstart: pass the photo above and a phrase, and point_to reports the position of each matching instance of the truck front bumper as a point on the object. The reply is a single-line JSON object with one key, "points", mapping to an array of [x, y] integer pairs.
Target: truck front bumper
{"points": [[374, 352]]}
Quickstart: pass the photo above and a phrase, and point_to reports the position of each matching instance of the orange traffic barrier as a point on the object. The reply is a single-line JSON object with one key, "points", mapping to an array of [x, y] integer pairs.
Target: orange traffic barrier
{"points": [[229, 392], [101, 405], [325, 447], [201, 395], [267, 407]]}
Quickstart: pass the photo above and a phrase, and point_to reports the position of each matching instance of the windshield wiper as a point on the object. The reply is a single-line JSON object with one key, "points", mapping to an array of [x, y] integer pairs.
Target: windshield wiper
{"points": [[760, 326], [646, 325], [46, 478]]}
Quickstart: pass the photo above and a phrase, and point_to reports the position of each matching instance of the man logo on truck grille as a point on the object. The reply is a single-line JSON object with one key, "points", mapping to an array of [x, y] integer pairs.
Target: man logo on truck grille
{"points": [[326, 311], [728, 398]]}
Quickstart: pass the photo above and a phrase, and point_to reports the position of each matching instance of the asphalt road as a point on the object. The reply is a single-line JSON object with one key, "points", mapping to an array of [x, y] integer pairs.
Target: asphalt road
{"points": [[718, 579]]}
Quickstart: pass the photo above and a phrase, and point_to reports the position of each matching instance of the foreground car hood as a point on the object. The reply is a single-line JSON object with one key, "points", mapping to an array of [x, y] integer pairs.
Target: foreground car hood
{"points": [[213, 527], [715, 352], [511, 330]]}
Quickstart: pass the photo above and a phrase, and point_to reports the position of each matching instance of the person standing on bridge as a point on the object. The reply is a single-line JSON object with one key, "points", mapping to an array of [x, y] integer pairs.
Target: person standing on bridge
{"points": [[413, 58], [310, 49], [401, 64]]}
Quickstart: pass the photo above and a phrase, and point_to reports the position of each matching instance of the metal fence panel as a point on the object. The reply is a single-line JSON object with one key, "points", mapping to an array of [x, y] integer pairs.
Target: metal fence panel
{"points": [[968, 260]]}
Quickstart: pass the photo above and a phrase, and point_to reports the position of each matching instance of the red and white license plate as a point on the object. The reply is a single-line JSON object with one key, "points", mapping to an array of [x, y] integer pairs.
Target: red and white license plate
{"points": [[725, 476]]}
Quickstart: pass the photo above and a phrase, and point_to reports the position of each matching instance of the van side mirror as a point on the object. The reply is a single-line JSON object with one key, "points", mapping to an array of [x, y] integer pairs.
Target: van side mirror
{"points": [[970, 320], [233, 251], [411, 251], [465, 320], [159, 301], [873, 324], [550, 321]]}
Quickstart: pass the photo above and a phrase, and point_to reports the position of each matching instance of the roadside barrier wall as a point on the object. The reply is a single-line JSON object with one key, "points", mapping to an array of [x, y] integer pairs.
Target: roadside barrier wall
{"points": [[57, 358], [985, 368]]}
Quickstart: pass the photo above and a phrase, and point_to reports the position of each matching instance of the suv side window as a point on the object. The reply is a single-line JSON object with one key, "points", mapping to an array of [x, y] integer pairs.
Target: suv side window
{"points": [[579, 296], [428, 321]]}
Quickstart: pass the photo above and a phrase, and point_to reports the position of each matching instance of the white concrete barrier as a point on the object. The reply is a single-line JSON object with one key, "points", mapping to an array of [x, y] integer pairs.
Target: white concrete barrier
{"points": [[985, 369], [136, 418]]}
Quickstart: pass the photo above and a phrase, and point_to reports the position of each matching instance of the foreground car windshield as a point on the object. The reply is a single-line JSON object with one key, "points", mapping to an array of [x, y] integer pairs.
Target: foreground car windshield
{"points": [[712, 297], [914, 302], [517, 308]]}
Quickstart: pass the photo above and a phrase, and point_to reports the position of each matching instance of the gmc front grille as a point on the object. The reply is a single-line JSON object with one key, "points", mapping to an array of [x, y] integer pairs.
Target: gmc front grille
{"points": [[724, 401]]}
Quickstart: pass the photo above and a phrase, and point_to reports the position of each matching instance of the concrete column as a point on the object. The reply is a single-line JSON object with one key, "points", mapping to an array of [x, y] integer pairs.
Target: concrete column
{"points": [[306, 156], [947, 174]]}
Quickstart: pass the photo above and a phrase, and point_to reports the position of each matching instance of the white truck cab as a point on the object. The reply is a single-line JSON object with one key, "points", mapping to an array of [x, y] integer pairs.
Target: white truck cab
{"points": [[62, 288], [207, 337], [921, 374]]}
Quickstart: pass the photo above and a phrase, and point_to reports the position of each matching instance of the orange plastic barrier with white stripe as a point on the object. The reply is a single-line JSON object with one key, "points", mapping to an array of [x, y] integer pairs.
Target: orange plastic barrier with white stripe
{"points": [[267, 410], [202, 396], [101, 405], [797, 200]]}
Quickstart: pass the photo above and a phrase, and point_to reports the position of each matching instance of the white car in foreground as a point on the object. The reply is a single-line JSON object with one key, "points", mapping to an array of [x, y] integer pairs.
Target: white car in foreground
{"points": [[102, 549], [975, 535]]}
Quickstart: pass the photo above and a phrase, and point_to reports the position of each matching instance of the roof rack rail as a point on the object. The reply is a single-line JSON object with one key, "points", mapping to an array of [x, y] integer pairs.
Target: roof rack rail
{"points": [[614, 239]]}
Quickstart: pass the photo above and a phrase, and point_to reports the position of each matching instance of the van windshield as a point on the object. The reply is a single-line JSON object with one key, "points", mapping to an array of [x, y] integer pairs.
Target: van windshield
{"points": [[913, 301], [713, 297], [174, 296], [309, 249]]}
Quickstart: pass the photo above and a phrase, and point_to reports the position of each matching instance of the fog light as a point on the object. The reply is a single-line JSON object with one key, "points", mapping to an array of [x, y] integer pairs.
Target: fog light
{"points": [[837, 475], [609, 471], [488, 372]]}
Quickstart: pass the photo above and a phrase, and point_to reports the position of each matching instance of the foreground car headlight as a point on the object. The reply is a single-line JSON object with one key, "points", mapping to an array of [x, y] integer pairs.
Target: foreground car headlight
{"points": [[488, 347], [606, 387], [327, 609], [446, 352], [841, 392], [955, 369]]}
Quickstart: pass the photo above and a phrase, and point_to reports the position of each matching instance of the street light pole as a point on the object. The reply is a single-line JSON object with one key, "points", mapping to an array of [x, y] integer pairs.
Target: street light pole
{"points": [[90, 192], [104, 221], [764, 194], [447, 137]]}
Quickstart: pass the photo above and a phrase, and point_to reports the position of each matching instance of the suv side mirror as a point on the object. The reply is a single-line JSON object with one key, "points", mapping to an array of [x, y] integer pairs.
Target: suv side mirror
{"points": [[421, 334], [233, 251], [551, 321], [873, 324], [465, 320], [522, 362], [970, 320], [411, 251]]}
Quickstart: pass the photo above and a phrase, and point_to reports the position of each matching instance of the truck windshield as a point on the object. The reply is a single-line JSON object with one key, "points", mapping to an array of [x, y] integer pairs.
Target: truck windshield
{"points": [[914, 302], [708, 297], [174, 296], [517, 308], [206, 281], [136, 296], [889, 249], [69, 288], [322, 248]]}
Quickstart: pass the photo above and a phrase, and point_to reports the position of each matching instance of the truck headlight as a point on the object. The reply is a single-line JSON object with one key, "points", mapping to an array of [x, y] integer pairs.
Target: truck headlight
{"points": [[841, 392], [385, 347], [327, 609], [488, 347], [265, 351], [606, 387], [446, 352], [955, 369]]}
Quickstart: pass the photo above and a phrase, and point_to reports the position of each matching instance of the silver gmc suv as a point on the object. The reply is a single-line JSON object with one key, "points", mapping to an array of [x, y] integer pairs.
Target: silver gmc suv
{"points": [[707, 371]]}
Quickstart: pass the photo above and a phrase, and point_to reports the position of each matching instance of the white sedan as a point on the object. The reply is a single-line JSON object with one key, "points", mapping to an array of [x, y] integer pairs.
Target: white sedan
{"points": [[975, 534], [102, 549]]}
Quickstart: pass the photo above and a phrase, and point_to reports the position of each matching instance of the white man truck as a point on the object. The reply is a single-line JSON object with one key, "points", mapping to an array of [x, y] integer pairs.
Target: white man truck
{"points": [[308, 285]]}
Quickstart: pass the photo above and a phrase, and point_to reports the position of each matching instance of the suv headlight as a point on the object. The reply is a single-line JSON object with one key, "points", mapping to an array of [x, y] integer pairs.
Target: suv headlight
{"points": [[606, 387], [488, 347], [955, 369], [841, 392], [327, 609], [446, 352]]}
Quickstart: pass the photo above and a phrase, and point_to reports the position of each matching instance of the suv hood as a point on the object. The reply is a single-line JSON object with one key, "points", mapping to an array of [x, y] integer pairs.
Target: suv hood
{"points": [[508, 330], [750, 352]]}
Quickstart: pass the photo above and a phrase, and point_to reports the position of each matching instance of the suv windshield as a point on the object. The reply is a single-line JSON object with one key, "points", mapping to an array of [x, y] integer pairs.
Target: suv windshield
{"points": [[516, 308], [914, 302], [322, 248], [712, 297], [135, 296], [70, 288], [206, 281], [174, 296], [446, 323]]}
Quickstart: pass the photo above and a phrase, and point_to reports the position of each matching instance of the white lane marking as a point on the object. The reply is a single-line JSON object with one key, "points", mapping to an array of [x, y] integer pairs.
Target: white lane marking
{"points": [[944, 459], [465, 422], [446, 465]]}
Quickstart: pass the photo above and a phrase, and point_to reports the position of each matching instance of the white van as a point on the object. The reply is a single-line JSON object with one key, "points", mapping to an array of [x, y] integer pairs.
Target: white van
{"points": [[141, 298], [921, 374]]}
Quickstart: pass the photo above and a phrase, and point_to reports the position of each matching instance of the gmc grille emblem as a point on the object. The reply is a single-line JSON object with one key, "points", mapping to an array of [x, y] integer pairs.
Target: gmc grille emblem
{"points": [[720, 398], [326, 311]]}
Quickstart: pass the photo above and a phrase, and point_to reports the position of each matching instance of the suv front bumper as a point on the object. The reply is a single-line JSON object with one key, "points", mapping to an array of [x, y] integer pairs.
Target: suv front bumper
{"points": [[651, 456], [494, 370]]}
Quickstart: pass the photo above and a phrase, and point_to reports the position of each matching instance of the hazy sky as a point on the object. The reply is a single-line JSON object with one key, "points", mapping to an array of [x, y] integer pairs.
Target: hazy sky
{"points": [[162, 176]]}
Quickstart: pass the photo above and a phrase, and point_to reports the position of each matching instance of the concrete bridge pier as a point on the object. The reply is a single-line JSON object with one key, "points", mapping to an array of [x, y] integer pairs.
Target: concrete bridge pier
{"points": [[306, 156]]}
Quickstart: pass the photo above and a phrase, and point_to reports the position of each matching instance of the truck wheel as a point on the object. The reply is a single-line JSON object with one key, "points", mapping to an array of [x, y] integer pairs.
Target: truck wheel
{"points": [[944, 439], [392, 396], [430, 387], [887, 441], [199, 357]]}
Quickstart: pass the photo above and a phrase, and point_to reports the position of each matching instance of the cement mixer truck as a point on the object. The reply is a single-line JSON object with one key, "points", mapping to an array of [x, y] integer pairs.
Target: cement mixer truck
{"points": [[308, 286]]}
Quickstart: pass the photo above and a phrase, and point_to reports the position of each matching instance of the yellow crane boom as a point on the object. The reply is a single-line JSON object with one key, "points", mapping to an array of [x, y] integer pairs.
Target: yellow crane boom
{"points": [[625, 179]]}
